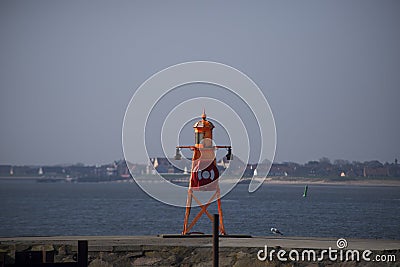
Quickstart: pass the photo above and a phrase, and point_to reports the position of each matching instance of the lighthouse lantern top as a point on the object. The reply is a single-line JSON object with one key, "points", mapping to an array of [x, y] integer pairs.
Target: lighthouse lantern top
{"points": [[203, 132], [204, 123]]}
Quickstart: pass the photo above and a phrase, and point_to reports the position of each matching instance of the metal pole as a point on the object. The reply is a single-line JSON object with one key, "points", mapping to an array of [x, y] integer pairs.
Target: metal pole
{"points": [[82, 253], [215, 240]]}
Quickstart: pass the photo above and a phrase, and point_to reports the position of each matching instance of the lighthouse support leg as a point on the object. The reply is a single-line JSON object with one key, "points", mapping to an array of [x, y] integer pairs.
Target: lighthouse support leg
{"points": [[203, 207], [203, 210], [221, 217], [187, 212]]}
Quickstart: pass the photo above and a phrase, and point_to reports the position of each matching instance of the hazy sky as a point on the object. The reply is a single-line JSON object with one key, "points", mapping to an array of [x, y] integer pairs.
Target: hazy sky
{"points": [[330, 71]]}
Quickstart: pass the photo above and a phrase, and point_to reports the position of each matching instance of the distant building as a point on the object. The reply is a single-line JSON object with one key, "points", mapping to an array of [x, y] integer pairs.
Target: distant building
{"points": [[29, 171], [281, 169], [249, 171], [169, 165], [6, 170], [122, 169], [381, 171], [53, 171], [80, 170]]}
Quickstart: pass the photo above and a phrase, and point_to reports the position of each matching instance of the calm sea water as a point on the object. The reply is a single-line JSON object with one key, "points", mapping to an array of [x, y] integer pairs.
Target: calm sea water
{"points": [[44, 209]]}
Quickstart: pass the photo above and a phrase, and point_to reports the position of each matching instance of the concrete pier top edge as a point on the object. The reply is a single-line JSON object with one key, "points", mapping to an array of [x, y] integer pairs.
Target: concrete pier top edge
{"points": [[256, 242]]}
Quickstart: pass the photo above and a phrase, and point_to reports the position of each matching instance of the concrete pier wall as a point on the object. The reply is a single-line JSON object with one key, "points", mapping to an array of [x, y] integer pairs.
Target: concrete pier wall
{"points": [[157, 251]]}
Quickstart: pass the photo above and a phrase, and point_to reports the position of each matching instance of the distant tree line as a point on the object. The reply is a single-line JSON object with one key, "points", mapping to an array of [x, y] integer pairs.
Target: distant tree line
{"points": [[323, 167], [338, 168]]}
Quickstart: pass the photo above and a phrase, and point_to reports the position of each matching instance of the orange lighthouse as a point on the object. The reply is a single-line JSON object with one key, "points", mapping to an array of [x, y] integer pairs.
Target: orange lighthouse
{"points": [[204, 172]]}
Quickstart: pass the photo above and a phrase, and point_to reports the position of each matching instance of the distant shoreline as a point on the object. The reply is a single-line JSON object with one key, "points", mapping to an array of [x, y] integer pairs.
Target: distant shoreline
{"points": [[284, 181], [327, 181]]}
